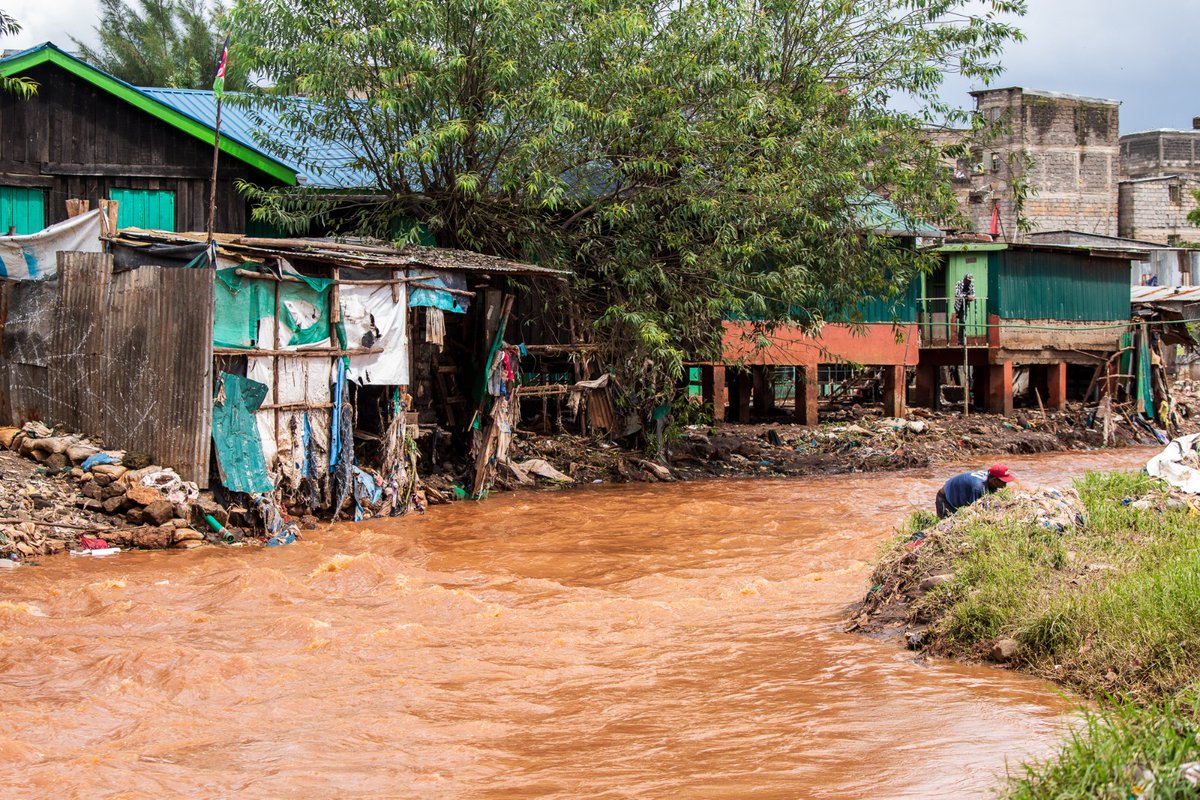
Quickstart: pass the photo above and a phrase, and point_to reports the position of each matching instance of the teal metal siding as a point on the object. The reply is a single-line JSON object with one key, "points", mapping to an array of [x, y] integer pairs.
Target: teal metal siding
{"points": [[22, 209], [145, 208], [1067, 286], [902, 308]]}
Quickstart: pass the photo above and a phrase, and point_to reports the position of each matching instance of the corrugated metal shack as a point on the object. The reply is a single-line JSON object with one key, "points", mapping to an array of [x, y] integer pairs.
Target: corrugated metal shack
{"points": [[307, 367]]}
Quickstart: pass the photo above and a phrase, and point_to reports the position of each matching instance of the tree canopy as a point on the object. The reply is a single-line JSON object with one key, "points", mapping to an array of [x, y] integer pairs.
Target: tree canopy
{"points": [[172, 43], [686, 160], [19, 86]]}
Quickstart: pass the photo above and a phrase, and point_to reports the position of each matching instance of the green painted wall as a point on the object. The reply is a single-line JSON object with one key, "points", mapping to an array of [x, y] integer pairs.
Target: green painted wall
{"points": [[23, 209], [903, 308], [977, 265], [145, 208], [1067, 286]]}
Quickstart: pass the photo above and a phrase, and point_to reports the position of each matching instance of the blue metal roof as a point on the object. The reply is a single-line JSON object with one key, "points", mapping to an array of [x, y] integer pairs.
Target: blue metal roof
{"points": [[328, 165]]}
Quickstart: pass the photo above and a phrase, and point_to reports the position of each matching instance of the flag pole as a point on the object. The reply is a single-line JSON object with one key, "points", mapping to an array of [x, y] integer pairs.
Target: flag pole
{"points": [[212, 193], [219, 93]]}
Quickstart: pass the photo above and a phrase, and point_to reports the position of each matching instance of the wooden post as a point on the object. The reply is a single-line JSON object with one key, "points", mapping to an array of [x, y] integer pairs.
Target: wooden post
{"points": [[764, 390], [275, 401], [110, 208], [212, 192], [77, 206], [999, 388], [712, 388], [1056, 389], [894, 390], [807, 395], [925, 389], [739, 397]]}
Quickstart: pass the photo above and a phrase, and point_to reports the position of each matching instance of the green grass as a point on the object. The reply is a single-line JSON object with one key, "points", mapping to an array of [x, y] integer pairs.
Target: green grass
{"points": [[1111, 608], [1113, 605], [1108, 757]]}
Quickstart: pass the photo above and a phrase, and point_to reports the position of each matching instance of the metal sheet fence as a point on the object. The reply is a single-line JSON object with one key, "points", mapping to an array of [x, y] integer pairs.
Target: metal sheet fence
{"points": [[128, 358]]}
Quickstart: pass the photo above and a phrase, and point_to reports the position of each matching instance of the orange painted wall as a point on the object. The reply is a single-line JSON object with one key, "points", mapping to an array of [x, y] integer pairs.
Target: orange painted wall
{"points": [[873, 344]]}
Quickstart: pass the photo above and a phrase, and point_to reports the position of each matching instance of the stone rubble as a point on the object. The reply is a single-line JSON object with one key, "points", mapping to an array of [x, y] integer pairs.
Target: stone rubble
{"points": [[48, 502]]}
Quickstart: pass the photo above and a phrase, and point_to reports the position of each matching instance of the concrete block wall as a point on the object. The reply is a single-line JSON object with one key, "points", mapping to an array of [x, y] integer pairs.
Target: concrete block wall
{"points": [[1066, 147], [1156, 209], [1153, 154]]}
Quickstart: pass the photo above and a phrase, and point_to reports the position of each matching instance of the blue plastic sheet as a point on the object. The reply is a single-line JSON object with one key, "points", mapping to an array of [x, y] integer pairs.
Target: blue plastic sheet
{"points": [[431, 298], [98, 458]]}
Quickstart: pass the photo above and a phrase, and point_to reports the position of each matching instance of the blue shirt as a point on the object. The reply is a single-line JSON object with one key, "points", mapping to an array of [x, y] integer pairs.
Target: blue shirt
{"points": [[964, 489]]}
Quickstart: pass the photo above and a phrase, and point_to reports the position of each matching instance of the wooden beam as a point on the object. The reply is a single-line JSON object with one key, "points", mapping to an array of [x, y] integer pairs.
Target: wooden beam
{"points": [[308, 352]]}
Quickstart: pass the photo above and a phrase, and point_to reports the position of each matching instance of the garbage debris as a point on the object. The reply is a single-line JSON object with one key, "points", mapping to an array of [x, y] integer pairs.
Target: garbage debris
{"points": [[1179, 464]]}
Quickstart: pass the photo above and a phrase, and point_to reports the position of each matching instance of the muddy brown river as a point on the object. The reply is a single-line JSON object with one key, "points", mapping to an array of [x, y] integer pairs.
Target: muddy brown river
{"points": [[673, 641]]}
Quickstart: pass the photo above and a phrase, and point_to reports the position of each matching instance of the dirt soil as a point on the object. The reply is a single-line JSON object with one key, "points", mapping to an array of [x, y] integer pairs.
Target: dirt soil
{"points": [[853, 440]]}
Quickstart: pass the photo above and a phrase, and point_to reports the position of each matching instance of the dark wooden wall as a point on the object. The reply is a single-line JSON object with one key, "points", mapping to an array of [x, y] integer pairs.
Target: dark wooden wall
{"points": [[77, 141]]}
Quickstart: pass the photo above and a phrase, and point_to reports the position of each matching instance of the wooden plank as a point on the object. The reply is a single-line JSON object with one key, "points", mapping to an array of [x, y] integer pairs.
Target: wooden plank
{"points": [[308, 352]]}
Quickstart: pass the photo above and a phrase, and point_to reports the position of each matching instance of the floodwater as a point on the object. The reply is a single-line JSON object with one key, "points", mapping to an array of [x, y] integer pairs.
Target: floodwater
{"points": [[667, 641]]}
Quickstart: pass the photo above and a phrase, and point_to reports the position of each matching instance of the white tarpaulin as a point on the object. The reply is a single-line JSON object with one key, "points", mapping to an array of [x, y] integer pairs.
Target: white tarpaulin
{"points": [[34, 257], [1179, 464], [302, 382], [374, 320]]}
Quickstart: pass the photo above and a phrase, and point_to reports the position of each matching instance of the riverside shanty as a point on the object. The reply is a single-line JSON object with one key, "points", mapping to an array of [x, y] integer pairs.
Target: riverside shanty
{"points": [[289, 380]]}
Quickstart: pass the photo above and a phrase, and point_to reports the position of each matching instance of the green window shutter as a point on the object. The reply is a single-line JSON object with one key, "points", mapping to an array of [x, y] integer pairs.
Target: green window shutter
{"points": [[145, 208], [23, 209]]}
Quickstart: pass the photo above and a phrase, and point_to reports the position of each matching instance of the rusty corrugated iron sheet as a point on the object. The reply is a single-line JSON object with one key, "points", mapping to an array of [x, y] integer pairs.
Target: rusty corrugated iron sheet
{"points": [[1166, 294], [28, 331], [76, 360], [158, 356], [125, 358]]}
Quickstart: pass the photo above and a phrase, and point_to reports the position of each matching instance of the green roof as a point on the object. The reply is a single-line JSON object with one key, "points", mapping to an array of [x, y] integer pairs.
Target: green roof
{"points": [[48, 53], [885, 218]]}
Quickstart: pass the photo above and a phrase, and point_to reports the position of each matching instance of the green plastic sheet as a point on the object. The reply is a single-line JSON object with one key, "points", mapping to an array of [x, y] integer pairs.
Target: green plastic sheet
{"points": [[240, 303], [235, 433]]}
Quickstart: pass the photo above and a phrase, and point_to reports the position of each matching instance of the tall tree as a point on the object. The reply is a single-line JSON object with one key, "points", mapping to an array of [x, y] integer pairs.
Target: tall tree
{"points": [[686, 160], [18, 85], [171, 43]]}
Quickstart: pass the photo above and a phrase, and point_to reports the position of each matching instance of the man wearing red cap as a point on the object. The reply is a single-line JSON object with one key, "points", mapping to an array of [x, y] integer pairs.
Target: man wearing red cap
{"points": [[964, 489]]}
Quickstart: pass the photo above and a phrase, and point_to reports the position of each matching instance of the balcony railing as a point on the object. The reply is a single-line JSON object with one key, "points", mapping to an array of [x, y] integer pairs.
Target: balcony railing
{"points": [[940, 328]]}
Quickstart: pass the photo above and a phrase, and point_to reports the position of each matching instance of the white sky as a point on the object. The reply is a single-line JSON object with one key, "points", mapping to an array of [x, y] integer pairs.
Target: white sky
{"points": [[1141, 52]]}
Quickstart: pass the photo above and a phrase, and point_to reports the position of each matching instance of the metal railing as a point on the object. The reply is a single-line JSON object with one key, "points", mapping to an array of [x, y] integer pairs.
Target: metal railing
{"points": [[940, 327]]}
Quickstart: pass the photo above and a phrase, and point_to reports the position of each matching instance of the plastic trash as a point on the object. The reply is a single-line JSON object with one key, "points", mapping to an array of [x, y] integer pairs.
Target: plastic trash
{"points": [[107, 551], [8, 564], [99, 458]]}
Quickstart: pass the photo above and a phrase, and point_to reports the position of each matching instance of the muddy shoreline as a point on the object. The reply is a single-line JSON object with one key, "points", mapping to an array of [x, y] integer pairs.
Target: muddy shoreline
{"points": [[33, 497]]}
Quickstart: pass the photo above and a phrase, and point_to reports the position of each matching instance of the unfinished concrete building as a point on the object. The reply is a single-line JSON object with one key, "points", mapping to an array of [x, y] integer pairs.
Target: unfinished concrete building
{"points": [[1160, 175], [1062, 148]]}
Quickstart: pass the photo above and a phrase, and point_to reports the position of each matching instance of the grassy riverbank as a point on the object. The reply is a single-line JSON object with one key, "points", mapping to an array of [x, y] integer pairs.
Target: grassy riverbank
{"points": [[1098, 589]]}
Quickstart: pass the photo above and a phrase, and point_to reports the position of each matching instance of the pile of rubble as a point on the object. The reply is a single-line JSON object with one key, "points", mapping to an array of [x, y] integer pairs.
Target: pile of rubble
{"points": [[83, 498]]}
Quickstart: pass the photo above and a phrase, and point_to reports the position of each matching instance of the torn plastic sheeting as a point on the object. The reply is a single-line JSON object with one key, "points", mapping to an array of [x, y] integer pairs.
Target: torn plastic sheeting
{"points": [[431, 298], [34, 256], [542, 469], [235, 434], [240, 303], [373, 319], [1172, 464]]}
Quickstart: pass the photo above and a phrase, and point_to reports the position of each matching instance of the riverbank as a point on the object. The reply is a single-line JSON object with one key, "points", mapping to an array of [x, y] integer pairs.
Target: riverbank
{"points": [[1096, 588], [35, 495]]}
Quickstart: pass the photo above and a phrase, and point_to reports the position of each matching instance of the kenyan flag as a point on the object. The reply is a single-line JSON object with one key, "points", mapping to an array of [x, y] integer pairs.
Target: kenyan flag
{"points": [[219, 81]]}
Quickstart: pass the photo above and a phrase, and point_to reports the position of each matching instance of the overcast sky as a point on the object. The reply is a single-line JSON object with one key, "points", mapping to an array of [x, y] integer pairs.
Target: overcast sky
{"points": [[1141, 52]]}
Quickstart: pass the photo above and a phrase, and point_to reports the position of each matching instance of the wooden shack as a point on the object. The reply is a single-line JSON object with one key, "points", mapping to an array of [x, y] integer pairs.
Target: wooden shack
{"points": [[87, 135], [1052, 312]]}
